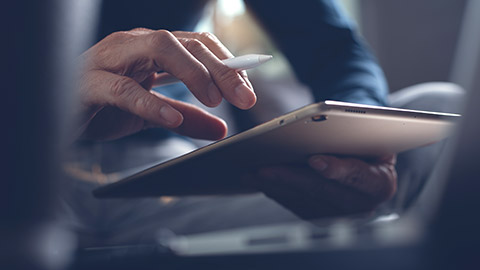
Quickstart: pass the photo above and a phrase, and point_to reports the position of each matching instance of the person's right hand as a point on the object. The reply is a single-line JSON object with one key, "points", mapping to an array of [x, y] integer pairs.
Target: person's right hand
{"points": [[120, 70]]}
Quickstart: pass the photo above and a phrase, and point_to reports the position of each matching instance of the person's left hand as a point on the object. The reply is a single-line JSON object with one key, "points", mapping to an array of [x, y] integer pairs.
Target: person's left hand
{"points": [[329, 186]]}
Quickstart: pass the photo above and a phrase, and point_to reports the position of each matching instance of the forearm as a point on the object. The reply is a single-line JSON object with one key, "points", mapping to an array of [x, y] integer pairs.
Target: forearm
{"points": [[324, 50]]}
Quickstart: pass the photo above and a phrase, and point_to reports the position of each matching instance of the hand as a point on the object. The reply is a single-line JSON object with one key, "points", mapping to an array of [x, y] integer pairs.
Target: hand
{"points": [[119, 71], [330, 186]]}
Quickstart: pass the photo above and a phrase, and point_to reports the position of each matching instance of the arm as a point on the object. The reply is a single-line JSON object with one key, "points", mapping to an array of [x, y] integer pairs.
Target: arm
{"points": [[323, 49], [328, 56]]}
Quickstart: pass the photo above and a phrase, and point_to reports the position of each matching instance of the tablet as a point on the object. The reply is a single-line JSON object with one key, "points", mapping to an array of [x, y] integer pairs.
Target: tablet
{"points": [[329, 127]]}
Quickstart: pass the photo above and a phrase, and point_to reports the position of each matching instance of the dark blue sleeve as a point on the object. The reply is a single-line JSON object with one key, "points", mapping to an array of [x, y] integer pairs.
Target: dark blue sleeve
{"points": [[323, 49]]}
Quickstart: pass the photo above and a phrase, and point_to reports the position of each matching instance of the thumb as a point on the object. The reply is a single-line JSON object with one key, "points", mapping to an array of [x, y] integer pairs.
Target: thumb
{"points": [[126, 94]]}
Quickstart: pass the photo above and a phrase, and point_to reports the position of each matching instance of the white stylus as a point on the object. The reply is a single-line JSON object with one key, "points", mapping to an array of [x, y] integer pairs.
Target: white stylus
{"points": [[243, 62]]}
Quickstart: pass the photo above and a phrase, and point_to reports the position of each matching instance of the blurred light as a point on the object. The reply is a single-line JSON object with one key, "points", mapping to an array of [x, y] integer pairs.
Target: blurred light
{"points": [[342, 234], [400, 232], [231, 8], [206, 22], [53, 246]]}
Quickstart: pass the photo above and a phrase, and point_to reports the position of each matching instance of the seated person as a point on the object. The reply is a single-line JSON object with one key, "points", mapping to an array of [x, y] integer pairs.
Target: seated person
{"points": [[117, 100]]}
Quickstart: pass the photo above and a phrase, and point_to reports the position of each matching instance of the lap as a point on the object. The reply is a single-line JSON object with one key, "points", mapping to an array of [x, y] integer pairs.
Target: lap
{"points": [[414, 167]]}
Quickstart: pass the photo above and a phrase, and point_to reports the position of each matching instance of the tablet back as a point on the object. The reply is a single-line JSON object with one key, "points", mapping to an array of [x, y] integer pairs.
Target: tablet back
{"points": [[324, 128]]}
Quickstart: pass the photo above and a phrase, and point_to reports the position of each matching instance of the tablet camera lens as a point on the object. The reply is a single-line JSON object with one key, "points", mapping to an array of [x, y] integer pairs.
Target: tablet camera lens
{"points": [[319, 118]]}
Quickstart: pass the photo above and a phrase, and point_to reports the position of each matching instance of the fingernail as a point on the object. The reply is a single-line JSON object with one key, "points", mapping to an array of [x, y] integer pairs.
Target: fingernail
{"points": [[318, 163], [173, 117], [214, 94], [244, 94]]}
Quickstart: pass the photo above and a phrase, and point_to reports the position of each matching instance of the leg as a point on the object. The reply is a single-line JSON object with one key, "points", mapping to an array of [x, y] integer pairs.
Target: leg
{"points": [[414, 167], [130, 221]]}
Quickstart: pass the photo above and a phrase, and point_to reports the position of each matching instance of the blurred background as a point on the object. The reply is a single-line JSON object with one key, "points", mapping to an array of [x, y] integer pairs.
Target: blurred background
{"points": [[414, 41]]}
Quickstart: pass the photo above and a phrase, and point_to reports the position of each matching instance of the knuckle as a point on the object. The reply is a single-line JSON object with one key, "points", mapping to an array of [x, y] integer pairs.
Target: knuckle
{"points": [[243, 73], [225, 75], [353, 171], [334, 171], [145, 64], [141, 67], [194, 46], [142, 104], [208, 37], [140, 30], [122, 87], [353, 179], [160, 44], [198, 77], [103, 51], [118, 36], [161, 38]]}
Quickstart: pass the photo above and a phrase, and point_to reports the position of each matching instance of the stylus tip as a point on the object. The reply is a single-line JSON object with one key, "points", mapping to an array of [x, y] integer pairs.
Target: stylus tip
{"points": [[264, 58]]}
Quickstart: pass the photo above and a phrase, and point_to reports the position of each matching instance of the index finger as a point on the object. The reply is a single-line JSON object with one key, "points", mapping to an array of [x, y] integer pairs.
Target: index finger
{"points": [[172, 57], [210, 40], [215, 46]]}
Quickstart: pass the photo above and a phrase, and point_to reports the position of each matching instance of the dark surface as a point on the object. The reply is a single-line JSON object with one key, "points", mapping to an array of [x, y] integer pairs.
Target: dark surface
{"points": [[30, 130], [381, 258]]}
